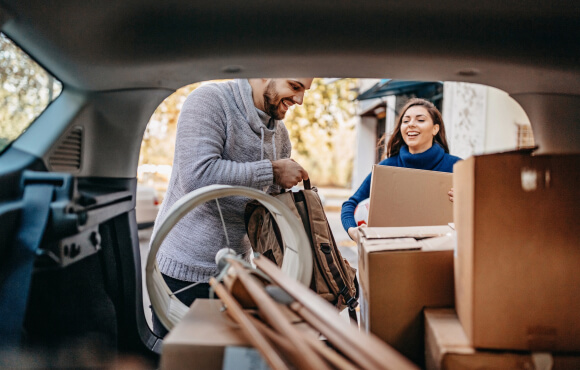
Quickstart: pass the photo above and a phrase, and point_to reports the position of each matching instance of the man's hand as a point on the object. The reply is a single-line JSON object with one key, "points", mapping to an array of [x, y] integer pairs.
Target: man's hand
{"points": [[450, 193], [288, 173]]}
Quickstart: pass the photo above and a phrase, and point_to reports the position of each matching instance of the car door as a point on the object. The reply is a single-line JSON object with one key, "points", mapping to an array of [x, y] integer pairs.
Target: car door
{"points": [[70, 275]]}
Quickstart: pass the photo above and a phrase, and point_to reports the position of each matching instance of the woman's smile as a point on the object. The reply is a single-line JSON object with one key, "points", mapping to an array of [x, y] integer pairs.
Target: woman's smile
{"points": [[418, 130]]}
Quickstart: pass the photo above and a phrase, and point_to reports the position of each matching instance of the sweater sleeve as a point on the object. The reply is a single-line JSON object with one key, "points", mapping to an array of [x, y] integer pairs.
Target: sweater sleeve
{"points": [[348, 207], [201, 138], [363, 192]]}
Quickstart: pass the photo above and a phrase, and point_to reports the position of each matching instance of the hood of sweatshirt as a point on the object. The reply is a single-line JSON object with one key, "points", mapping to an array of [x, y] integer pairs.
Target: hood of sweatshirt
{"points": [[258, 121], [245, 101]]}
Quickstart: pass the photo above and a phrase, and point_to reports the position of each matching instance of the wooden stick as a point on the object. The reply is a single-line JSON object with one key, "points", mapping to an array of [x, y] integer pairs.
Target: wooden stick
{"points": [[287, 348], [382, 355], [327, 353], [330, 333], [253, 334], [307, 359]]}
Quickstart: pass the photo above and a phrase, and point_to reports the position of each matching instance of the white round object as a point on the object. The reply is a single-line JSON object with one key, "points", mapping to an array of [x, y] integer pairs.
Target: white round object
{"points": [[297, 262], [222, 253], [361, 212]]}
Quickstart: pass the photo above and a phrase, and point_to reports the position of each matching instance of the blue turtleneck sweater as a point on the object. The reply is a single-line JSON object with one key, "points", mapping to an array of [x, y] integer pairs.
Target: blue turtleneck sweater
{"points": [[433, 159]]}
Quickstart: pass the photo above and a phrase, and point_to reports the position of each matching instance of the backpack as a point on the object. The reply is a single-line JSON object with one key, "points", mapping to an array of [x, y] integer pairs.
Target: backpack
{"points": [[332, 277]]}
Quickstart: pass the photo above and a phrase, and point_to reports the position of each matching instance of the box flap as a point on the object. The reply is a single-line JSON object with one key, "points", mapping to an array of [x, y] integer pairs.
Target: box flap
{"points": [[206, 325], [416, 232], [522, 151], [426, 238], [446, 242], [445, 333], [393, 244]]}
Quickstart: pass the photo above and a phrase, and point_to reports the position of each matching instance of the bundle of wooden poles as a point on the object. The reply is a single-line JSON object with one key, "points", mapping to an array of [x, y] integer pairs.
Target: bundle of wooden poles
{"points": [[260, 300]]}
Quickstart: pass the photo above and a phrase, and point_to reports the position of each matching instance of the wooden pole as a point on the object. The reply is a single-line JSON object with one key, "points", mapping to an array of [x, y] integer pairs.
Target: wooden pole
{"points": [[308, 358], [253, 334], [327, 353], [379, 353], [334, 337]]}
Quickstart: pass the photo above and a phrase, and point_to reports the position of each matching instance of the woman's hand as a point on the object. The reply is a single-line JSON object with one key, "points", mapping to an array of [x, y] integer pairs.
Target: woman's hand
{"points": [[450, 193], [353, 232]]}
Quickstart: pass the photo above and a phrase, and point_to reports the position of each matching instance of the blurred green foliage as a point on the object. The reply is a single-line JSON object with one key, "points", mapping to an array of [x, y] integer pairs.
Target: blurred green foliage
{"points": [[321, 131], [26, 89]]}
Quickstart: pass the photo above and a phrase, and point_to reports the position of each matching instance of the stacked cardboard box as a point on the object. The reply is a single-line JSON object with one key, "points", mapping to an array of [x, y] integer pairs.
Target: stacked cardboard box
{"points": [[406, 268], [402, 270], [207, 338], [516, 258], [447, 347], [516, 272]]}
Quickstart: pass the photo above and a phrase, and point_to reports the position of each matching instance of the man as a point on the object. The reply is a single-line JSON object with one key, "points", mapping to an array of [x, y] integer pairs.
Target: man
{"points": [[227, 133]]}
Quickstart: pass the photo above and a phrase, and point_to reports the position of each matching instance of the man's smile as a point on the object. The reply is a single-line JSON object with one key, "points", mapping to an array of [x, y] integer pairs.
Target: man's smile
{"points": [[285, 104]]}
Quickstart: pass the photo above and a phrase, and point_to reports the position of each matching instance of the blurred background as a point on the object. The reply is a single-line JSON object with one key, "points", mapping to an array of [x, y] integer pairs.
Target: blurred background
{"points": [[335, 133]]}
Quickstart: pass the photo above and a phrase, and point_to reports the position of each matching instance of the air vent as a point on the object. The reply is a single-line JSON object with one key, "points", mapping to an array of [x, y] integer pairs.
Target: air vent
{"points": [[67, 157]]}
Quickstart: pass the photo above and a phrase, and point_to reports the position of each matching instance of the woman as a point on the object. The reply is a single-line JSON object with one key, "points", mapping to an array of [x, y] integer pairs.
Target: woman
{"points": [[418, 142]]}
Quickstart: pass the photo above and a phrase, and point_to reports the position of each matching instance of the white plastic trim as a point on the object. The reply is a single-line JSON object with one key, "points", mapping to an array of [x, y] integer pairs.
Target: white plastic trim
{"points": [[297, 261]]}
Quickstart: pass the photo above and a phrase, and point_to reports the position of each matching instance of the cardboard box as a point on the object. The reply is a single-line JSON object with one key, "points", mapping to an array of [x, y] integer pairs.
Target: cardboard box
{"points": [[447, 347], [205, 334], [201, 337], [517, 276], [409, 197], [402, 270]]}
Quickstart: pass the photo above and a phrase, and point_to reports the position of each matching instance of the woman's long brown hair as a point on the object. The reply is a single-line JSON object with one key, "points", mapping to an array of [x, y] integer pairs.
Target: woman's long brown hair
{"points": [[396, 141]]}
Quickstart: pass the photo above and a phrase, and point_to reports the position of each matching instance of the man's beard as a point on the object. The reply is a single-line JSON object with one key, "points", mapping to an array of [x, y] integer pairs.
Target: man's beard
{"points": [[272, 102]]}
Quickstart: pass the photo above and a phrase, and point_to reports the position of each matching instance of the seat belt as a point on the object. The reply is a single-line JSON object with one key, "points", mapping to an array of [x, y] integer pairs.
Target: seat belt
{"points": [[17, 275]]}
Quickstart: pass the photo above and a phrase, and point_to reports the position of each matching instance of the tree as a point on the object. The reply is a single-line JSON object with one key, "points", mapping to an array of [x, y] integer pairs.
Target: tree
{"points": [[158, 143], [26, 89], [159, 137], [322, 131]]}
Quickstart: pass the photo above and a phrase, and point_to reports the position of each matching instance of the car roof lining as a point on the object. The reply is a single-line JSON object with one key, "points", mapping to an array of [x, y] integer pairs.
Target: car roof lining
{"points": [[519, 47], [143, 49]]}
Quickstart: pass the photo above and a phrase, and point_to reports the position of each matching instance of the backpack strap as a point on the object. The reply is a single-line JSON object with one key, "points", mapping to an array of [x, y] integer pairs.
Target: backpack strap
{"points": [[349, 300], [326, 248], [352, 310]]}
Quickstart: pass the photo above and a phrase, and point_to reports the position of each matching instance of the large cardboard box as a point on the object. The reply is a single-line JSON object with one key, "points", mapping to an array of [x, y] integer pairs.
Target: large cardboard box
{"points": [[207, 338], [402, 270], [409, 197], [199, 340], [517, 276], [447, 347]]}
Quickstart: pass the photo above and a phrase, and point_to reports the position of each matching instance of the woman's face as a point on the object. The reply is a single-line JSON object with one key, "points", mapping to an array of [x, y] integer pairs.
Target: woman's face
{"points": [[418, 130]]}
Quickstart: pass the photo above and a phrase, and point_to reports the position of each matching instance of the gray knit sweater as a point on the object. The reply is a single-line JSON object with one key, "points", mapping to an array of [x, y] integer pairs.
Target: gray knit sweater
{"points": [[221, 139]]}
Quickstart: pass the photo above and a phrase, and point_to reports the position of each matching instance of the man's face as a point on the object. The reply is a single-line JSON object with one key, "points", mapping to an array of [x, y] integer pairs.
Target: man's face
{"points": [[280, 94]]}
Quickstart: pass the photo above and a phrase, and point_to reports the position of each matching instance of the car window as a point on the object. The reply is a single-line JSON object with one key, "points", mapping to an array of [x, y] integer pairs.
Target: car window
{"points": [[26, 89]]}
